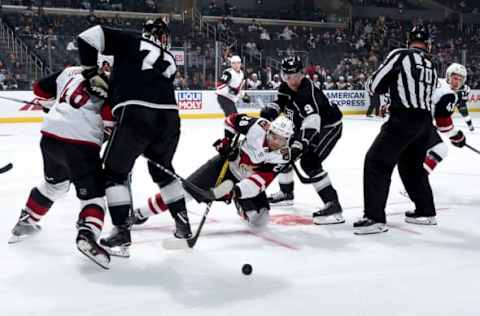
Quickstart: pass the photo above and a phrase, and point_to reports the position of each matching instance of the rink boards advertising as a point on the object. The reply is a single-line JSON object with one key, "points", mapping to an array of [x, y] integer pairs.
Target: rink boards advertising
{"points": [[203, 104]]}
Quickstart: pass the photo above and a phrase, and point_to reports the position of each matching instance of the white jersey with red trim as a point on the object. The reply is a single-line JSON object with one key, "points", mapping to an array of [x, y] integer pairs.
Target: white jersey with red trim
{"points": [[256, 166], [76, 115], [231, 84]]}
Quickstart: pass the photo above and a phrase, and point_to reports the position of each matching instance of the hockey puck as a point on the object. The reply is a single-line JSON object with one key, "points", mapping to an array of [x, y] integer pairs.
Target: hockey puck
{"points": [[247, 269]]}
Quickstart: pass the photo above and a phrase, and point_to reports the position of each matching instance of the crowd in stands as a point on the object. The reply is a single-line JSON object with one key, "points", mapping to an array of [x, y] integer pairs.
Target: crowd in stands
{"points": [[339, 58]]}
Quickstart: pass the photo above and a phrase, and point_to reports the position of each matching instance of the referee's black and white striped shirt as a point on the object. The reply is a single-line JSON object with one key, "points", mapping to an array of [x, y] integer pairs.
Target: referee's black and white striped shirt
{"points": [[409, 76]]}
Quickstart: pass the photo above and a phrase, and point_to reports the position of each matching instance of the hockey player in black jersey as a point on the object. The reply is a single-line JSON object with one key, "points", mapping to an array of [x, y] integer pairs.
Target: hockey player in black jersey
{"points": [[318, 127], [148, 122]]}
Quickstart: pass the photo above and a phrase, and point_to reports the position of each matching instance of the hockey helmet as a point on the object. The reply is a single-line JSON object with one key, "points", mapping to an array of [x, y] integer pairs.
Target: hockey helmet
{"points": [[157, 31], [420, 33], [458, 69], [105, 63], [235, 59], [279, 132], [290, 65]]}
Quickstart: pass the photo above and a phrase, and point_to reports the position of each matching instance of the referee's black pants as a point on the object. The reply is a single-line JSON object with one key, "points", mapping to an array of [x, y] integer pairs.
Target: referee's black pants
{"points": [[403, 140]]}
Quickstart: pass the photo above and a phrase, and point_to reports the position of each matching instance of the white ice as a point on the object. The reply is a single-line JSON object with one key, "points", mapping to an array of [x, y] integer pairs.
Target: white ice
{"points": [[298, 269]]}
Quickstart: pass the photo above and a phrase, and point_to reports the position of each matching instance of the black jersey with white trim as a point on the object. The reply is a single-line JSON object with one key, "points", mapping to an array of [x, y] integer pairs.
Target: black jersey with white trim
{"points": [[308, 107], [143, 73]]}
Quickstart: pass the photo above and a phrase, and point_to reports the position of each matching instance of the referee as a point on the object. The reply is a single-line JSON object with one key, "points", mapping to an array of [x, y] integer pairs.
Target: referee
{"points": [[410, 77]]}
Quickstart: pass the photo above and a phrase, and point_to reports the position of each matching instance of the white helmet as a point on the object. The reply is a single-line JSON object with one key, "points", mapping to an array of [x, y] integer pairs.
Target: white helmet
{"points": [[282, 126], [235, 59], [104, 58], [458, 69]]}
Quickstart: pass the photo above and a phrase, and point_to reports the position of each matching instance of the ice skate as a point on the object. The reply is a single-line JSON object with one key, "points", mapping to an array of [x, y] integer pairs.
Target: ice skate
{"points": [[87, 245], [24, 228], [366, 226], [119, 241], [331, 213], [412, 217], [281, 198]]}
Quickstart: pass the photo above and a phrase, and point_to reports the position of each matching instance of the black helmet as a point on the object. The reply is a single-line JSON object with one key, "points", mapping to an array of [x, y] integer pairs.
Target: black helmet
{"points": [[419, 33], [291, 65], [156, 31]]}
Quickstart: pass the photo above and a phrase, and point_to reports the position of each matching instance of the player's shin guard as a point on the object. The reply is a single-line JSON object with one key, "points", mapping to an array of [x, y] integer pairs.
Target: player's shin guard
{"points": [[155, 206], [91, 216], [118, 199], [37, 205], [434, 156], [174, 199]]}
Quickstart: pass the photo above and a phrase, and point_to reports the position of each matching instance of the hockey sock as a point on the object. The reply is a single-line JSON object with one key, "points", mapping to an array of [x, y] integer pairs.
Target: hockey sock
{"points": [[155, 206], [118, 198], [91, 218], [173, 197], [286, 187], [285, 181], [325, 189], [434, 156], [37, 205]]}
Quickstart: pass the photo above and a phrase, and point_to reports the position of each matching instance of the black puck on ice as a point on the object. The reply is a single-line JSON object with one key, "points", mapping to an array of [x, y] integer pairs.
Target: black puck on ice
{"points": [[247, 269]]}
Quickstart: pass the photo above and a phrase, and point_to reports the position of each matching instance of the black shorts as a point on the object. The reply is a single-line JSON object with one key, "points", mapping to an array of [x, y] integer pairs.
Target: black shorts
{"points": [[206, 177], [319, 149], [141, 130], [75, 162], [227, 105]]}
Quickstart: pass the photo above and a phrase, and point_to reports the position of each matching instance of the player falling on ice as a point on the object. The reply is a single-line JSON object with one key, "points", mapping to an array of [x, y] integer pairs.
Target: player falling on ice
{"points": [[252, 165], [72, 134]]}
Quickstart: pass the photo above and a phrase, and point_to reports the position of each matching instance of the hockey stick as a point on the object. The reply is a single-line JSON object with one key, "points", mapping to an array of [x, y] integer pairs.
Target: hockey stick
{"points": [[17, 100], [191, 242], [472, 148], [306, 179], [6, 168], [207, 194]]}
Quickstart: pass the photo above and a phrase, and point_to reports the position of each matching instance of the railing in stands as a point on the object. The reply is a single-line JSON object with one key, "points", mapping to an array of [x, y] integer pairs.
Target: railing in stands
{"points": [[35, 67]]}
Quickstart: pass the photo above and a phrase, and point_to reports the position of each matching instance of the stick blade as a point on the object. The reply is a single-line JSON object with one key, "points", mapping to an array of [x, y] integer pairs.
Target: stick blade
{"points": [[6, 168]]}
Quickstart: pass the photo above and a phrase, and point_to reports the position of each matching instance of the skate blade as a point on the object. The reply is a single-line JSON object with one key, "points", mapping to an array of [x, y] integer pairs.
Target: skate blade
{"points": [[175, 244], [328, 220], [121, 252], [421, 221], [102, 260], [282, 203], [370, 230], [19, 238]]}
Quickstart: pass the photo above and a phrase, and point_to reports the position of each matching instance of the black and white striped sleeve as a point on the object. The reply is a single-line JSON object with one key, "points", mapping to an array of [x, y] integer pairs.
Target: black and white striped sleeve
{"points": [[379, 81]]}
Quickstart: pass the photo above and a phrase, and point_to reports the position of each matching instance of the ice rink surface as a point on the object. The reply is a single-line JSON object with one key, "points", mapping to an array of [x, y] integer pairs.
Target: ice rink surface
{"points": [[298, 269]]}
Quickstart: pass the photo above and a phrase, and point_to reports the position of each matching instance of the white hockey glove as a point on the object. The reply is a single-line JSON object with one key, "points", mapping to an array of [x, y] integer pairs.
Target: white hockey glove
{"points": [[97, 81]]}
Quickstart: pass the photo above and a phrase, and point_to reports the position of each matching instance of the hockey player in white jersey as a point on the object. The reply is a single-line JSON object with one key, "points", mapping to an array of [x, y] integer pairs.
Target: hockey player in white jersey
{"points": [[461, 89], [252, 166], [231, 86], [72, 134], [445, 99]]}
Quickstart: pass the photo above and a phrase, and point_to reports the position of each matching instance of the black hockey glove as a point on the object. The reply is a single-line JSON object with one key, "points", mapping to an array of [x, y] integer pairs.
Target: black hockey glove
{"points": [[458, 139], [225, 149], [97, 82], [297, 147], [246, 98]]}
